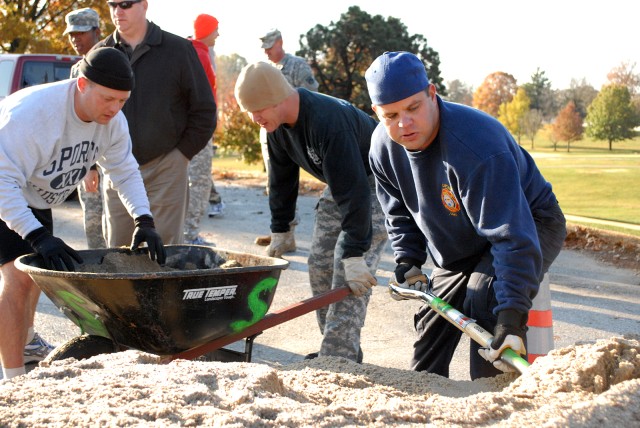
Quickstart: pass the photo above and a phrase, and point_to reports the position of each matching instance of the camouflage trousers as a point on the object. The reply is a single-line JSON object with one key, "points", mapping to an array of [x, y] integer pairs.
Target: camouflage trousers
{"points": [[341, 322], [91, 203], [214, 196], [200, 184]]}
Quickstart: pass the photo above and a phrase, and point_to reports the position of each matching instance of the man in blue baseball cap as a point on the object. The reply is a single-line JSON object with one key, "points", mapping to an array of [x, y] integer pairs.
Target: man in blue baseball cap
{"points": [[455, 185]]}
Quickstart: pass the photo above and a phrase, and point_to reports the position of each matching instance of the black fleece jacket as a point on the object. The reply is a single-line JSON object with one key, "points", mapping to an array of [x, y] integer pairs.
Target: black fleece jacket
{"points": [[171, 104]]}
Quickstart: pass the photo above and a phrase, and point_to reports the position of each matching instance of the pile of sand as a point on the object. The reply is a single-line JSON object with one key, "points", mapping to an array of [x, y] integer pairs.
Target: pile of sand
{"points": [[587, 385]]}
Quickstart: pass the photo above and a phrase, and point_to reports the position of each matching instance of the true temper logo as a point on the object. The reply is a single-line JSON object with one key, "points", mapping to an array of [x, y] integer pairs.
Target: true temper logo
{"points": [[210, 294]]}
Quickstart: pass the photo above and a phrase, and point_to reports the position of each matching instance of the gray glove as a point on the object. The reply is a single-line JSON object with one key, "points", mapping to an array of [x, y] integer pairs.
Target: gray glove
{"points": [[281, 243], [410, 277], [357, 275]]}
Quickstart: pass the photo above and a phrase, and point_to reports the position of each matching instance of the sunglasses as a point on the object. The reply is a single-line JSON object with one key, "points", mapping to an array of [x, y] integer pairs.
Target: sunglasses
{"points": [[123, 4]]}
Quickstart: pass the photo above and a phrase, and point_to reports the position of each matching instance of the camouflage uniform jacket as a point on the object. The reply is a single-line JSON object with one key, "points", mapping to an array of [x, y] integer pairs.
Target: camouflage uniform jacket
{"points": [[297, 72]]}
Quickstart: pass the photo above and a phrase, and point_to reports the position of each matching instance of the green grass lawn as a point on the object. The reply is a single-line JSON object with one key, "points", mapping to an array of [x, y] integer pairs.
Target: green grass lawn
{"points": [[234, 163], [589, 180], [599, 186]]}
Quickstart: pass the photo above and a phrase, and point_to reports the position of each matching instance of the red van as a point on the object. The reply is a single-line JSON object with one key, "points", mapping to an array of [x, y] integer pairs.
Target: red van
{"points": [[18, 71]]}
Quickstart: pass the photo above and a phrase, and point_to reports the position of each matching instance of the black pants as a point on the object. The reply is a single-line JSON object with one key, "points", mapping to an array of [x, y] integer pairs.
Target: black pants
{"points": [[12, 245], [471, 292]]}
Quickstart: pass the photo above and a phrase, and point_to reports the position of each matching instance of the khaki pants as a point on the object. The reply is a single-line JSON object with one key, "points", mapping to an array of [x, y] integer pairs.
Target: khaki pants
{"points": [[167, 184]]}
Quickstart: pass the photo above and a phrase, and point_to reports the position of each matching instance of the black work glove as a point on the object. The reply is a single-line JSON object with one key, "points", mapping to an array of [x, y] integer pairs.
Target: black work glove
{"points": [[409, 275], [146, 232], [404, 266], [55, 253], [510, 323], [510, 332]]}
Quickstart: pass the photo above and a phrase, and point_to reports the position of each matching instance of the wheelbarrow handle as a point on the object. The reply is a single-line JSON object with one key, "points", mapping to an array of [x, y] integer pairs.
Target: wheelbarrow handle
{"points": [[270, 320], [465, 324]]}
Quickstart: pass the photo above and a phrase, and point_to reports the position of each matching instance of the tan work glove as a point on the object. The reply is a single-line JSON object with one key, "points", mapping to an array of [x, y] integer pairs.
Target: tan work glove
{"points": [[281, 243], [357, 275], [509, 331]]}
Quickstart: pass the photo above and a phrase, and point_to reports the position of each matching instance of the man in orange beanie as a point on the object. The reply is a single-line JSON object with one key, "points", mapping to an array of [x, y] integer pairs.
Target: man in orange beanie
{"points": [[205, 33], [201, 186]]}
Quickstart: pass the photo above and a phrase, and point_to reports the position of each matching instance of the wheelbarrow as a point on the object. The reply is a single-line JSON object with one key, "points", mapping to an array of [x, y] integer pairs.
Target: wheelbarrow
{"points": [[204, 299]]}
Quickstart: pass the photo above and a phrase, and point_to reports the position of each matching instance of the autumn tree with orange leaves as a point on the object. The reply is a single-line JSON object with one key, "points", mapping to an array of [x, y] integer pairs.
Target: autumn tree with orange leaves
{"points": [[625, 75], [496, 89], [31, 26], [568, 125]]}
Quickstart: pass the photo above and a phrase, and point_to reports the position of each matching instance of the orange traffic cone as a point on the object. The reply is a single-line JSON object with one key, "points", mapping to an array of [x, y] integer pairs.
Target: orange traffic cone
{"points": [[540, 334]]}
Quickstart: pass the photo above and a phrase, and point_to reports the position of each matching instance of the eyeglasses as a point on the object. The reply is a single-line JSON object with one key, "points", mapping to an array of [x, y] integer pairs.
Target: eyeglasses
{"points": [[123, 4]]}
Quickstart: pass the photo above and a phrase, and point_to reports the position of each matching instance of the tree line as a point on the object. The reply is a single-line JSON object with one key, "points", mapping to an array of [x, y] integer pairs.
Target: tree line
{"points": [[339, 54], [610, 114]]}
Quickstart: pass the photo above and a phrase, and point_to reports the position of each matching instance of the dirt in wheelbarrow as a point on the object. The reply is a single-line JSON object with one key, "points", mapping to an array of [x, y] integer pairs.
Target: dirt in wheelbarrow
{"points": [[137, 263], [588, 385]]}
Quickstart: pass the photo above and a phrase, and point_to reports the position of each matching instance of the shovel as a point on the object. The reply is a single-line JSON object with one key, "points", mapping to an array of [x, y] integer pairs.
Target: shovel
{"points": [[464, 323]]}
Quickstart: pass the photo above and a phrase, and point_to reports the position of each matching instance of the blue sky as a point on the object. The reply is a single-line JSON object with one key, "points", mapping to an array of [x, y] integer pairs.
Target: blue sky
{"points": [[565, 38]]}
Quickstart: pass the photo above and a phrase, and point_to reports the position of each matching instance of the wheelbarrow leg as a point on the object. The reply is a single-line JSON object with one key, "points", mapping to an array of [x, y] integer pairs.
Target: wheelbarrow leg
{"points": [[226, 355], [248, 347]]}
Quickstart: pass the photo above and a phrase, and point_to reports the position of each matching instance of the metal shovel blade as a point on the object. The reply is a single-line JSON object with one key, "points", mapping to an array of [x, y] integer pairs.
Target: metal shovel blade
{"points": [[465, 324]]}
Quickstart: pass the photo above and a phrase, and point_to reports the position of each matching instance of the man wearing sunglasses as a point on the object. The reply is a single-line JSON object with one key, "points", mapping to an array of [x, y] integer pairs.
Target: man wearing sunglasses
{"points": [[171, 115]]}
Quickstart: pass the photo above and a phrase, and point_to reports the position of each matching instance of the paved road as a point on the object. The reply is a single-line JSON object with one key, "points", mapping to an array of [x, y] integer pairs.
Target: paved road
{"points": [[590, 300]]}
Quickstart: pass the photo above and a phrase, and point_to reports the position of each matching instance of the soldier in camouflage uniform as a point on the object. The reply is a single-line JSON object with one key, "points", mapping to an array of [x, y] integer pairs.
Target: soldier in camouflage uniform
{"points": [[299, 75], [200, 180], [83, 30], [329, 138], [295, 69]]}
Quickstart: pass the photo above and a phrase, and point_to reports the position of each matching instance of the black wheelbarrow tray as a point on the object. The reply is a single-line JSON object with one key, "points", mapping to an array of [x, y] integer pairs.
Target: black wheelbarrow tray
{"points": [[191, 311]]}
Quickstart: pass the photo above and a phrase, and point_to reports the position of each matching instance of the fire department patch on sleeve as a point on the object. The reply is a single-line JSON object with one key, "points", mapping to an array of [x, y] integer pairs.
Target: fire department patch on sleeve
{"points": [[449, 199]]}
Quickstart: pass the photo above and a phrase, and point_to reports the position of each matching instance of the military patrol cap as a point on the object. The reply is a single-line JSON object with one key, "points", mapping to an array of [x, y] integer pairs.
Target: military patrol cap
{"points": [[81, 20], [270, 38]]}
